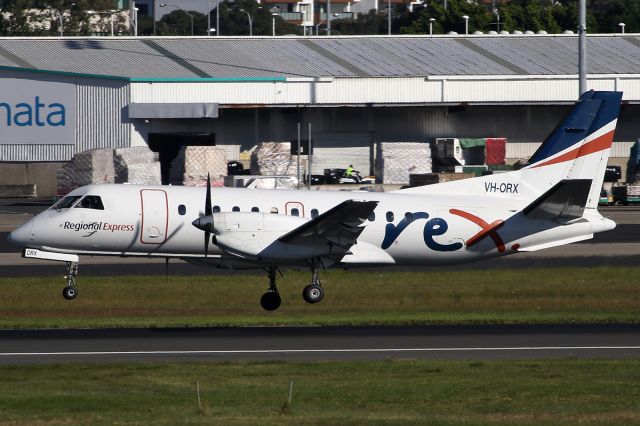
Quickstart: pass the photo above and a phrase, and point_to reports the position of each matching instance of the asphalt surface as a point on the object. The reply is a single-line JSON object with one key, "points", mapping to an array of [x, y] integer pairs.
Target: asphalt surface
{"points": [[320, 343]]}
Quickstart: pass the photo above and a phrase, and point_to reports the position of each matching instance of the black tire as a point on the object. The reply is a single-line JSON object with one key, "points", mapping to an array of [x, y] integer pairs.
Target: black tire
{"points": [[313, 293], [270, 301], [70, 292]]}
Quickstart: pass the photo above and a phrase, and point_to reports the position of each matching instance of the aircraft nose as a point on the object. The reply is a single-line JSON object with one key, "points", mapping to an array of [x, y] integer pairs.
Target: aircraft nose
{"points": [[22, 235]]}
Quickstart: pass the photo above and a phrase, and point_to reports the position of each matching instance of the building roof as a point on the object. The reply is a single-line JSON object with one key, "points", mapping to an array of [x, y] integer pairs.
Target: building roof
{"points": [[278, 58]]}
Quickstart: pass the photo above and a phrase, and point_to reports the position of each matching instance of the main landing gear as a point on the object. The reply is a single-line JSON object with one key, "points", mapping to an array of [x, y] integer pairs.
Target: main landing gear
{"points": [[70, 292], [312, 293]]}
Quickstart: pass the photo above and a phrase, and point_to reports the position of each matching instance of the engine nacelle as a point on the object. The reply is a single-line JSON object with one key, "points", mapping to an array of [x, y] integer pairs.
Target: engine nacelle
{"points": [[255, 236], [249, 234]]}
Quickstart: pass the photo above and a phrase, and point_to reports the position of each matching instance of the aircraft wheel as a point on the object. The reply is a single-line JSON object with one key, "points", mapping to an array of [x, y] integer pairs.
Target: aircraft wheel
{"points": [[70, 292], [313, 293], [270, 301]]}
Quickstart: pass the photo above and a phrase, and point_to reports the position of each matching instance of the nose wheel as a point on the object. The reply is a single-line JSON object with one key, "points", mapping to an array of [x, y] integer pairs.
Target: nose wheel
{"points": [[70, 292], [271, 300]]}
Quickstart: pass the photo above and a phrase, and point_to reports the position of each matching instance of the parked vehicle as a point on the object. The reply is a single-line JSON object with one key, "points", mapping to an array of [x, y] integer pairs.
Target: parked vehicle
{"points": [[626, 194]]}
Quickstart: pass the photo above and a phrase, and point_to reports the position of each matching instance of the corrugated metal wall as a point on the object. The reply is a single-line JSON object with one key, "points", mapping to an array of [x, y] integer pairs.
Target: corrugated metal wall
{"points": [[413, 90], [101, 119]]}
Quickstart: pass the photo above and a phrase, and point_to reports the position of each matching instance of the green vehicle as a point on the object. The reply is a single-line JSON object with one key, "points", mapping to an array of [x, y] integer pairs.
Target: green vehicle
{"points": [[605, 198], [626, 194]]}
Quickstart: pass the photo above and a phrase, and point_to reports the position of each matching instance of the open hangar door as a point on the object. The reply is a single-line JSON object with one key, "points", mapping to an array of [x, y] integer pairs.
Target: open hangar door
{"points": [[168, 146]]}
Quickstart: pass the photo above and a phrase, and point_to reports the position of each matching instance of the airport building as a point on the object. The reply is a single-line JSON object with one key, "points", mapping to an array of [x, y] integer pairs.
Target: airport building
{"points": [[61, 96]]}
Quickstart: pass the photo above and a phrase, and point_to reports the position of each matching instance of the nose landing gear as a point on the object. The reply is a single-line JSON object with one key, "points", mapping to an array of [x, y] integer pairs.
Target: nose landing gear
{"points": [[70, 292], [271, 300]]}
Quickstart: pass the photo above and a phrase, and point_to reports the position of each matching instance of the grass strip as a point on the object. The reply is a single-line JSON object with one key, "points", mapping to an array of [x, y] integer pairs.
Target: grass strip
{"points": [[551, 392], [545, 295]]}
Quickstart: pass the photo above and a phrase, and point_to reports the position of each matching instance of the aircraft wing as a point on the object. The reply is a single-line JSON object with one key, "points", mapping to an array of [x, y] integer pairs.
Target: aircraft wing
{"points": [[339, 226]]}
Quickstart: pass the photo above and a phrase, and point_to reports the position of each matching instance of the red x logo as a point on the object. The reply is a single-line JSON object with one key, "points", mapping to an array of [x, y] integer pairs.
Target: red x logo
{"points": [[488, 229]]}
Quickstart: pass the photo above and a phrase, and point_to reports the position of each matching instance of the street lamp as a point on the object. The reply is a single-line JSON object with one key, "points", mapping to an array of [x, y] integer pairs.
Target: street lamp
{"points": [[273, 23], [250, 23], [431, 21], [60, 20], [466, 24], [389, 18], [178, 7], [133, 23], [112, 14], [621, 25]]}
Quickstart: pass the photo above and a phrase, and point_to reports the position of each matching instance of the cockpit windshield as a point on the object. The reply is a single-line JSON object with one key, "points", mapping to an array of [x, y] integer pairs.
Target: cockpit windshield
{"points": [[90, 202], [66, 202]]}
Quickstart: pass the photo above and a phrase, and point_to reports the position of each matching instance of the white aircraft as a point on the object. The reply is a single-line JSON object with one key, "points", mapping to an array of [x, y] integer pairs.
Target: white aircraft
{"points": [[550, 202]]}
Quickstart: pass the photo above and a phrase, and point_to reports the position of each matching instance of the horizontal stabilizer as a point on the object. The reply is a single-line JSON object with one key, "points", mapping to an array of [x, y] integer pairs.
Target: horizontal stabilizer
{"points": [[565, 201]]}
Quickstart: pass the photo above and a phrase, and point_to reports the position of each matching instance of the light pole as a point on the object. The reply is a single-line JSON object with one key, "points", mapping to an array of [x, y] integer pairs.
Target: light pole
{"points": [[582, 47], [497, 23], [621, 25], [111, 13], [60, 20], [431, 21], [133, 23], [389, 18], [178, 7], [250, 22], [328, 17], [273, 23], [466, 24], [208, 18]]}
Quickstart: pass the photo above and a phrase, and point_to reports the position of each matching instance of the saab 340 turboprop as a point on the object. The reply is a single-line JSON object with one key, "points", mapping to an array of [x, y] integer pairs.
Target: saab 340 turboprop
{"points": [[549, 202]]}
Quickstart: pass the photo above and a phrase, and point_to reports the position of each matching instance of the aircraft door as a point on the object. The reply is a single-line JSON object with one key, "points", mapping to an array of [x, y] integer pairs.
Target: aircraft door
{"points": [[155, 216]]}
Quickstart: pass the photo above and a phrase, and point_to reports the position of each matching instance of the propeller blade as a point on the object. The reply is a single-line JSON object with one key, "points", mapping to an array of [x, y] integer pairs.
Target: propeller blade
{"points": [[206, 243], [207, 206]]}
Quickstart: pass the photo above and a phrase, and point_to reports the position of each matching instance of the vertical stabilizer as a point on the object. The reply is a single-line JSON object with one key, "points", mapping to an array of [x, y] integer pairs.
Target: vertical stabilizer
{"points": [[579, 147]]}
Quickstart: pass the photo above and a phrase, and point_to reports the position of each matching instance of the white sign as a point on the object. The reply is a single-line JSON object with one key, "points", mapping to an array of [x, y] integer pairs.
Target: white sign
{"points": [[37, 112]]}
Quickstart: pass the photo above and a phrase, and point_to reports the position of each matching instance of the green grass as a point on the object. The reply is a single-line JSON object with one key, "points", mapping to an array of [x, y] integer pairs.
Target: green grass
{"points": [[555, 392], [565, 295]]}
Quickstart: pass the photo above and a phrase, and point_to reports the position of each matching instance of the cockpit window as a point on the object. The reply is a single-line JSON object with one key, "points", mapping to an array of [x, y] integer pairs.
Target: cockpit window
{"points": [[66, 202], [90, 202]]}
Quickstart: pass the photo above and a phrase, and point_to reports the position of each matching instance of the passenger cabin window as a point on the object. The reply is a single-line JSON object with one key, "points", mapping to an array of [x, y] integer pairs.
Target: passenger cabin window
{"points": [[295, 212], [314, 213], [66, 202], [235, 209], [389, 216], [372, 217], [182, 210], [255, 209], [90, 202], [216, 209], [274, 210]]}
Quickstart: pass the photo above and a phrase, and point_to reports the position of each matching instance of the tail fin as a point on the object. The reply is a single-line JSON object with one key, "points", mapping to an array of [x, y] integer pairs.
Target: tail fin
{"points": [[579, 147]]}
